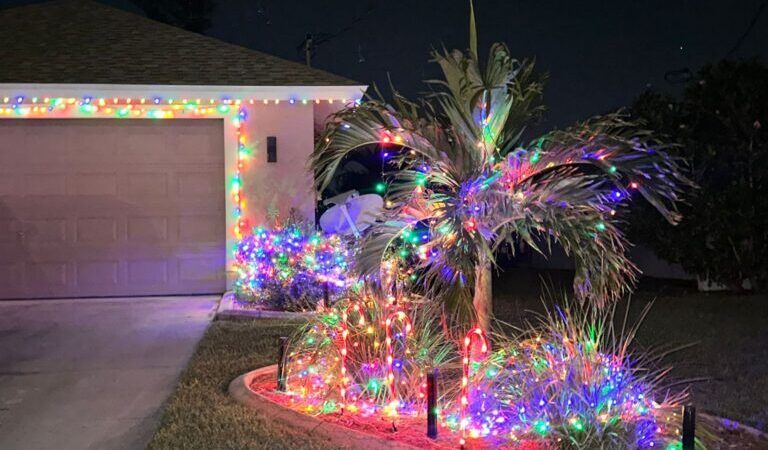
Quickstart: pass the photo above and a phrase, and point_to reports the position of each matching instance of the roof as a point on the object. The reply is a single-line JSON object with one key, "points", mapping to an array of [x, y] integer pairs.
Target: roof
{"points": [[86, 42]]}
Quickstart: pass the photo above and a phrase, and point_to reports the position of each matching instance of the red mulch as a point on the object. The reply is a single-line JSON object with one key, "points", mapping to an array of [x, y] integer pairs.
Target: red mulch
{"points": [[412, 431]]}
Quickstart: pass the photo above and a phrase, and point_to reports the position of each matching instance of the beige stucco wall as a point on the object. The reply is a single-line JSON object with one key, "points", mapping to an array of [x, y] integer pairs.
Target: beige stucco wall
{"points": [[287, 183]]}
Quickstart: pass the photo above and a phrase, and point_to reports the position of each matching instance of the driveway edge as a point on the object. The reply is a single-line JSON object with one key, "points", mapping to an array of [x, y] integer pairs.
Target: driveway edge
{"points": [[228, 309]]}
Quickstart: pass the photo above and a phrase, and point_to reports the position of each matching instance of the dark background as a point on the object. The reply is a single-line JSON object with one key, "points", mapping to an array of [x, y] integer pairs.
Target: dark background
{"points": [[599, 54]]}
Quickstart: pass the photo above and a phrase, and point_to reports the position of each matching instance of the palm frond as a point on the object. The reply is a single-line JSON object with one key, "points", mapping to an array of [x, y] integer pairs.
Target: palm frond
{"points": [[462, 175]]}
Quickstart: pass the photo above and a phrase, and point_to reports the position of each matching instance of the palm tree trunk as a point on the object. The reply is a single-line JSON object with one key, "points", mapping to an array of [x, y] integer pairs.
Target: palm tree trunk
{"points": [[483, 295]]}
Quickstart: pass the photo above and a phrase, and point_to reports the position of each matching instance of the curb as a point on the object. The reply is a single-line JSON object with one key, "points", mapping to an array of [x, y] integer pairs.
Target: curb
{"points": [[340, 437], [228, 310], [735, 425]]}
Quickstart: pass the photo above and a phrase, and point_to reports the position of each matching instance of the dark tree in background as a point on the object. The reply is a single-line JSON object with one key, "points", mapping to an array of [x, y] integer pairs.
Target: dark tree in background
{"points": [[721, 124], [192, 15]]}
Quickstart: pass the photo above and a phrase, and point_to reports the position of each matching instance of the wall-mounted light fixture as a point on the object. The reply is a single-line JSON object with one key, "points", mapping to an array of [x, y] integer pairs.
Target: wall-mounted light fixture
{"points": [[271, 149]]}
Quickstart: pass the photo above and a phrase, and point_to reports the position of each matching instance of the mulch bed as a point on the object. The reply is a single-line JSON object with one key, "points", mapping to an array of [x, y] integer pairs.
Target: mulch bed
{"points": [[412, 431]]}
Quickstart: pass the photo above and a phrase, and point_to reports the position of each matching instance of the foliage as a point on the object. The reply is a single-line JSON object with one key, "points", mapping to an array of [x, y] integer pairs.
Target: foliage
{"points": [[343, 358], [200, 414], [572, 379], [290, 267], [720, 124], [465, 176]]}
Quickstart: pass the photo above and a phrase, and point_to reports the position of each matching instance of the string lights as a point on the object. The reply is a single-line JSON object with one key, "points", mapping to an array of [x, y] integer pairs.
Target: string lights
{"points": [[290, 259], [554, 384], [161, 107], [365, 356], [150, 107], [402, 317], [355, 306]]}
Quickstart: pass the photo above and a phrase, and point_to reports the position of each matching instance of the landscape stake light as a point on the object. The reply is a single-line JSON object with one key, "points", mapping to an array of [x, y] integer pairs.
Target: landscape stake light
{"points": [[689, 427], [281, 352], [432, 404]]}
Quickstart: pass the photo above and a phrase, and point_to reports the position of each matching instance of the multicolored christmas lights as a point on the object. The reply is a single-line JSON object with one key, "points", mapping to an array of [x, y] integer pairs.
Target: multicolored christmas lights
{"points": [[290, 254], [563, 383], [402, 318], [353, 306], [161, 107], [365, 356]]}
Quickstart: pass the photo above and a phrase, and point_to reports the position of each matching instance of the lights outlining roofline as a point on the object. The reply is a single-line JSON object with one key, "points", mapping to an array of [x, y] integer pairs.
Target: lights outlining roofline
{"points": [[32, 104], [24, 105]]}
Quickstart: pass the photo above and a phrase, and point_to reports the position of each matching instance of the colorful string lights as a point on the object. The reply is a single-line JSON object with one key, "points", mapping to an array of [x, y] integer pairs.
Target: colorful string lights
{"points": [[563, 382], [160, 107], [291, 260], [354, 306], [364, 356], [402, 317]]}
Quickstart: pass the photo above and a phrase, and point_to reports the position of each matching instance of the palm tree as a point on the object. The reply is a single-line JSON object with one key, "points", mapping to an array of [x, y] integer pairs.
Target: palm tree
{"points": [[466, 184]]}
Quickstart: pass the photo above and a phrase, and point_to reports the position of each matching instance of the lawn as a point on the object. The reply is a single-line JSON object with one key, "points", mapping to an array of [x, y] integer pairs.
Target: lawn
{"points": [[200, 414], [731, 354]]}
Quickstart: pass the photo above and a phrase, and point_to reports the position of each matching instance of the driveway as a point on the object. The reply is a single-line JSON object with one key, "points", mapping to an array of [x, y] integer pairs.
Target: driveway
{"points": [[92, 373]]}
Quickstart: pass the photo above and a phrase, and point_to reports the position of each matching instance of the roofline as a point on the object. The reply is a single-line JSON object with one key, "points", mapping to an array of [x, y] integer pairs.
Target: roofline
{"points": [[182, 91]]}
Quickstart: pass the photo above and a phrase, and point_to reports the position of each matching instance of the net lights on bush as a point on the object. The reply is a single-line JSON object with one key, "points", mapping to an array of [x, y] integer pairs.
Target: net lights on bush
{"points": [[285, 255]]}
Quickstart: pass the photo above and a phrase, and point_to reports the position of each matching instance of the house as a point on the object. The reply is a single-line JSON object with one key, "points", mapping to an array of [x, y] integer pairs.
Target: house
{"points": [[134, 154]]}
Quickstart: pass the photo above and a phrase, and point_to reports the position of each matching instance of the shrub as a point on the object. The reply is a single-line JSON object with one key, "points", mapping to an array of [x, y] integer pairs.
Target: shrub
{"points": [[290, 267], [720, 124], [571, 380], [341, 358]]}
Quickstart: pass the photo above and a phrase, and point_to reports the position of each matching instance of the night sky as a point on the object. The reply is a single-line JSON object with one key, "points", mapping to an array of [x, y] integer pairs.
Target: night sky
{"points": [[599, 54]]}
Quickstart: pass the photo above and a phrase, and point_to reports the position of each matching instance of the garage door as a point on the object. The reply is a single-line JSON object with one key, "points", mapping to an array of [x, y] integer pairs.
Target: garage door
{"points": [[92, 207]]}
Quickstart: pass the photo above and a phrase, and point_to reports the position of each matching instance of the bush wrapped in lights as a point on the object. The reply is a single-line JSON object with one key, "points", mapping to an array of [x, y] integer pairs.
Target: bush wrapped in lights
{"points": [[571, 381], [368, 355], [567, 381], [290, 267]]}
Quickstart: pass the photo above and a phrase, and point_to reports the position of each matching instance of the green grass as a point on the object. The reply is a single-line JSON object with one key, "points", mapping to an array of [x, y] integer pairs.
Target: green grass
{"points": [[732, 354], [731, 351], [201, 415], [729, 333]]}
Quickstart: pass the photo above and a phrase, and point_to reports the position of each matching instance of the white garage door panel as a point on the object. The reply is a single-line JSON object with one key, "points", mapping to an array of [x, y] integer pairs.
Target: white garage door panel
{"points": [[111, 207]]}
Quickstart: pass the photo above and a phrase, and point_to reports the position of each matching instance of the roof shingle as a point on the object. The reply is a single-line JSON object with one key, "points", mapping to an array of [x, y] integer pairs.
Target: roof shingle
{"points": [[86, 42]]}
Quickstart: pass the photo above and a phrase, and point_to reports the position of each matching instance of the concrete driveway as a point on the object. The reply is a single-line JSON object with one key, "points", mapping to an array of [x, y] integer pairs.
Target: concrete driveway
{"points": [[92, 373]]}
